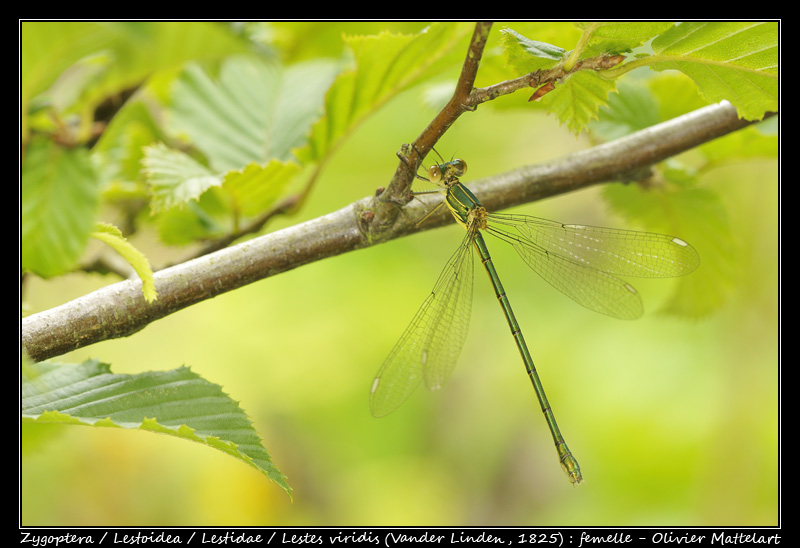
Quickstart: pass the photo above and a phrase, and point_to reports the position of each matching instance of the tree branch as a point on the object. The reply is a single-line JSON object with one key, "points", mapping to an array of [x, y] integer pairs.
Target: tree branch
{"points": [[120, 310]]}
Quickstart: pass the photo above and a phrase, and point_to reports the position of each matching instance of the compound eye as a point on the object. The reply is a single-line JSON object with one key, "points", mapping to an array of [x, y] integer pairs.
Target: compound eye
{"points": [[435, 174], [459, 166]]}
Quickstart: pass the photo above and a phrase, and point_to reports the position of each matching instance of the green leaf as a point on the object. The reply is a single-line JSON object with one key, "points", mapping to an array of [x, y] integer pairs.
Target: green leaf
{"points": [[675, 93], [256, 187], [743, 144], [578, 99], [112, 236], [696, 215], [253, 111], [179, 403], [734, 61], [619, 37], [118, 55], [59, 200], [525, 55], [632, 109], [193, 221], [385, 65], [175, 177], [119, 151], [48, 48]]}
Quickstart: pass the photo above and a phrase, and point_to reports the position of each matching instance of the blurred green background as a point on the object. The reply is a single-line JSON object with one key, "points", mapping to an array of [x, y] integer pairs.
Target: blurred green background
{"points": [[674, 422]]}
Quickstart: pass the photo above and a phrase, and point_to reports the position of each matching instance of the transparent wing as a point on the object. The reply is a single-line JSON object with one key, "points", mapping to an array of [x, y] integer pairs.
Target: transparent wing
{"points": [[431, 344], [583, 261]]}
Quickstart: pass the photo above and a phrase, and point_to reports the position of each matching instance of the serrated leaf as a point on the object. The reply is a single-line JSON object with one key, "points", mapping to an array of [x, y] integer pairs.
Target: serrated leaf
{"points": [[618, 37], [185, 225], [734, 61], [525, 55], [179, 403], [577, 100], [698, 216], [175, 177], [111, 236], [256, 187], [385, 65], [59, 197], [253, 111], [632, 109]]}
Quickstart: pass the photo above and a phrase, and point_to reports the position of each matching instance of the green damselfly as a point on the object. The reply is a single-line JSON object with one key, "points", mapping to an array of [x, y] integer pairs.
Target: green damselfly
{"points": [[579, 260]]}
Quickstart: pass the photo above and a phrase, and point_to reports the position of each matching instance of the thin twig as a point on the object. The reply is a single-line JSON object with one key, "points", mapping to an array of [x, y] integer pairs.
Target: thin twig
{"points": [[396, 193], [540, 78]]}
